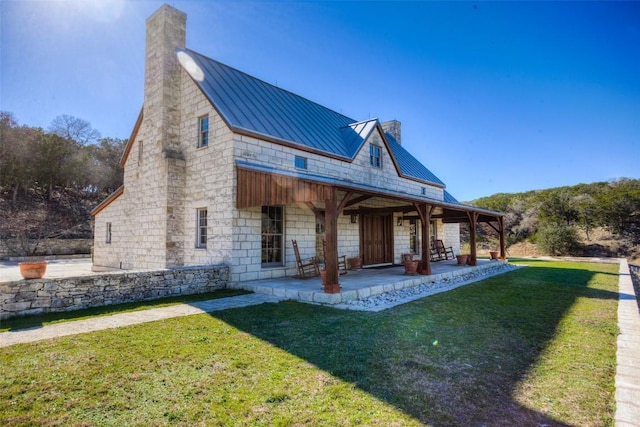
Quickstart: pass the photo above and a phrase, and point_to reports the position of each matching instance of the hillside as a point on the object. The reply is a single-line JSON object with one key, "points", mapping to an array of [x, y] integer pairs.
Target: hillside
{"points": [[598, 219]]}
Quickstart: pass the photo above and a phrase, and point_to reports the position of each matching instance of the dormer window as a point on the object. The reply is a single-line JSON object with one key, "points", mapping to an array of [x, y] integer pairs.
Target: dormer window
{"points": [[203, 134], [375, 156]]}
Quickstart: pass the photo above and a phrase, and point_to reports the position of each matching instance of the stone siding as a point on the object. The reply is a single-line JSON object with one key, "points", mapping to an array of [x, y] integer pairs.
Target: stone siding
{"points": [[38, 296]]}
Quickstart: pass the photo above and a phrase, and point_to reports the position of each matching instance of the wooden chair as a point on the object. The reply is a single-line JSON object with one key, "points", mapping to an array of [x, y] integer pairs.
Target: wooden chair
{"points": [[342, 260], [435, 254], [306, 268], [445, 252]]}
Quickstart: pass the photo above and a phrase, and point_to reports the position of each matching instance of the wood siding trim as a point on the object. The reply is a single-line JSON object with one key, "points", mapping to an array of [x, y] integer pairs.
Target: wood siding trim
{"points": [[265, 189]]}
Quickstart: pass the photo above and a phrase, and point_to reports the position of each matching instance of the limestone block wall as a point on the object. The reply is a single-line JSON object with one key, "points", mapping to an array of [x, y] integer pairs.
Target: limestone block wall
{"points": [[38, 296], [359, 171]]}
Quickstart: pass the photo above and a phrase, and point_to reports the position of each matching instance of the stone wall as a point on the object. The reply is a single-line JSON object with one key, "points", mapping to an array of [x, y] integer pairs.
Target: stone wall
{"points": [[38, 296]]}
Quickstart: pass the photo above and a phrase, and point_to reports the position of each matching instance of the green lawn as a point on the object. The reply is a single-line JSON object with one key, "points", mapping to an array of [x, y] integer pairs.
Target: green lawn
{"points": [[531, 347]]}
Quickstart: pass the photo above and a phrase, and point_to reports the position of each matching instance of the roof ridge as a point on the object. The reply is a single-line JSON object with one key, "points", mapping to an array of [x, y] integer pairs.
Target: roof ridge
{"points": [[272, 85]]}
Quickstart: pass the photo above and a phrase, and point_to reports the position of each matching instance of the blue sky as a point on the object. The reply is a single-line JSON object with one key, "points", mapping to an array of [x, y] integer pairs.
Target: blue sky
{"points": [[493, 96]]}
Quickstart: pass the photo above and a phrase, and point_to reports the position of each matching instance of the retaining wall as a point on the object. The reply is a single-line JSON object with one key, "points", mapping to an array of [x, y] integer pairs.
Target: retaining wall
{"points": [[38, 296]]}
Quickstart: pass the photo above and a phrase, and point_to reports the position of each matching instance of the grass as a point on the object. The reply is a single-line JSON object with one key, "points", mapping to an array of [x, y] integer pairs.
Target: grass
{"points": [[531, 347], [25, 322]]}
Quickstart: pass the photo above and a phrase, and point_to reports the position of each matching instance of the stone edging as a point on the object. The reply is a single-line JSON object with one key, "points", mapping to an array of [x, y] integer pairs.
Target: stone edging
{"points": [[401, 296]]}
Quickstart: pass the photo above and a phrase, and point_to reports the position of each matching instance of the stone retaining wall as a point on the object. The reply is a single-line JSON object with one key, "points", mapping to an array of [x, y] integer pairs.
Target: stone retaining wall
{"points": [[38, 296]]}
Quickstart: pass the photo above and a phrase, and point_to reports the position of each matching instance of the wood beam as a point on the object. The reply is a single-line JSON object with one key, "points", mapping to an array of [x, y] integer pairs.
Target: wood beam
{"points": [[424, 212], [357, 200], [503, 247], [331, 235], [344, 201], [317, 212], [380, 211], [473, 221]]}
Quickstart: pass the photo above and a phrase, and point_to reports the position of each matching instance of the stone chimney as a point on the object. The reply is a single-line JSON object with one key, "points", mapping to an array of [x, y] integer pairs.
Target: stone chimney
{"points": [[392, 127], [166, 176], [165, 33]]}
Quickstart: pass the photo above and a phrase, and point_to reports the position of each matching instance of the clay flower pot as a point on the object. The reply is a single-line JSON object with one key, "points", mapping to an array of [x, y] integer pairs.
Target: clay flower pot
{"points": [[355, 263], [411, 267], [493, 254], [462, 259], [323, 275], [33, 270]]}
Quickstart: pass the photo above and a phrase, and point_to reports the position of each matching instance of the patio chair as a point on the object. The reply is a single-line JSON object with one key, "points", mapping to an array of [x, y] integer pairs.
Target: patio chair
{"points": [[435, 254], [445, 252], [306, 268], [342, 259]]}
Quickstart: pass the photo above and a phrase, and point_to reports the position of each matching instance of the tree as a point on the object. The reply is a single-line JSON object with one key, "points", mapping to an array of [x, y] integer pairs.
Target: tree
{"points": [[55, 166], [74, 129], [558, 239], [19, 147]]}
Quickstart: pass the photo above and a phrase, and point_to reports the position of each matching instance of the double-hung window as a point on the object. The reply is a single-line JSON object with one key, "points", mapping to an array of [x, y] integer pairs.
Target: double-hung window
{"points": [[272, 235], [375, 156], [201, 228], [203, 133]]}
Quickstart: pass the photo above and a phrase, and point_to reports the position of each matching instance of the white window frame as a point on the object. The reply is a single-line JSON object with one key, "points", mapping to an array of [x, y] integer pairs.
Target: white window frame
{"points": [[272, 239], [375, 156], [201, 228], [203, 131]]}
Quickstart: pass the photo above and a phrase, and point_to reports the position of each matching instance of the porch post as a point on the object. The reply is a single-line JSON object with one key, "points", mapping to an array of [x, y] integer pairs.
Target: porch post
{"points": [[424, 211], [331, 235], [503, 250], [473, 221]]}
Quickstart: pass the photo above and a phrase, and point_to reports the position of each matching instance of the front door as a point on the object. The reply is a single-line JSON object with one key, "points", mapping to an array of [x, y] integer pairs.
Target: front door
{"points": [[376, 239]]}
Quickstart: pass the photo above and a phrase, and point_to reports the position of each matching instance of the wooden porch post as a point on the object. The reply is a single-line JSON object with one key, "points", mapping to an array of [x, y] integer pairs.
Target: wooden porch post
{"points": [[424, 211], [331, 234], [473, 221], [503, 250]]}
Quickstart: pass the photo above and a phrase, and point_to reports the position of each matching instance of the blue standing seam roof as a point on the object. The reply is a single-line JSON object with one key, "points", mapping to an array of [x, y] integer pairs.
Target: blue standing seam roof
{"points": [[250, 104]]}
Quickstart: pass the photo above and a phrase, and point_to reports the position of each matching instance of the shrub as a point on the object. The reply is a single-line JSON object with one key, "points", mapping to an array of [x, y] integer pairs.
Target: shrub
{"points": [[558, 239]]}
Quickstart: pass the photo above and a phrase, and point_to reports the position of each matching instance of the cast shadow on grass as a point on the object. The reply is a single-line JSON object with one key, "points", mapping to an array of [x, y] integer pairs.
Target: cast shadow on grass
{"points": [[455, 358]]}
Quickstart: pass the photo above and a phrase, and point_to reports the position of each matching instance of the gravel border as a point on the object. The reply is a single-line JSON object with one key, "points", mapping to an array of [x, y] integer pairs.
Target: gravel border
{"points": [[402, 296]]}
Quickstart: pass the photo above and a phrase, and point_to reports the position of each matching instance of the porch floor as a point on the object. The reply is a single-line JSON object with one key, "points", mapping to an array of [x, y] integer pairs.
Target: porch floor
{"points": [[360, 284]]}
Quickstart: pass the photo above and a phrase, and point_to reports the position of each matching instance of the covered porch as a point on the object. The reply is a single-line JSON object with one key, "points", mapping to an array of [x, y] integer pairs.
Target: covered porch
{"points": [[365, 283], [330, 199]]}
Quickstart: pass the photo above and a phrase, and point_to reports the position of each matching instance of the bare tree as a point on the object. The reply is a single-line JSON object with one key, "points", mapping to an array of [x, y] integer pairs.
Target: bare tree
{"points": [[75, 129]]}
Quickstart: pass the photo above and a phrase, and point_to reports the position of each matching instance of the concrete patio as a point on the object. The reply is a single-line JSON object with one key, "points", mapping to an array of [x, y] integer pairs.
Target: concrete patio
{"points": [[360, 284]]}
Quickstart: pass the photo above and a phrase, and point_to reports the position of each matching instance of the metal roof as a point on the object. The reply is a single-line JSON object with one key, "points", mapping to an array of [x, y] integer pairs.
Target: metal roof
{"points": [[250, 104]]}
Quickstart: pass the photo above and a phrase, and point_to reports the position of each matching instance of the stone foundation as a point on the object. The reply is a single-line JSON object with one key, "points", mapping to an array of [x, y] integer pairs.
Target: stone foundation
{"points": [[38, 296]]}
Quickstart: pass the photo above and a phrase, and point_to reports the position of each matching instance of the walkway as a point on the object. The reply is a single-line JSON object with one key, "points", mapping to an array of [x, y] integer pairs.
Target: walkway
{"points": [[132, 318], [628, 356]]}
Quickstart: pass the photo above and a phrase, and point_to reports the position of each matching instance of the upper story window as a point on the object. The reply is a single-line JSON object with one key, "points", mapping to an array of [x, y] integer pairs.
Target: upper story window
{"points": [[201, 229], [375, 156], [301, 162], [108, 236], [203, 134], [423, 191]]}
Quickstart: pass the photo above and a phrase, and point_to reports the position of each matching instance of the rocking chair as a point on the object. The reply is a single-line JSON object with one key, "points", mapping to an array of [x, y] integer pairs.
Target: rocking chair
{"points": [[342, 259], [445, 252], [306, 268]]}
